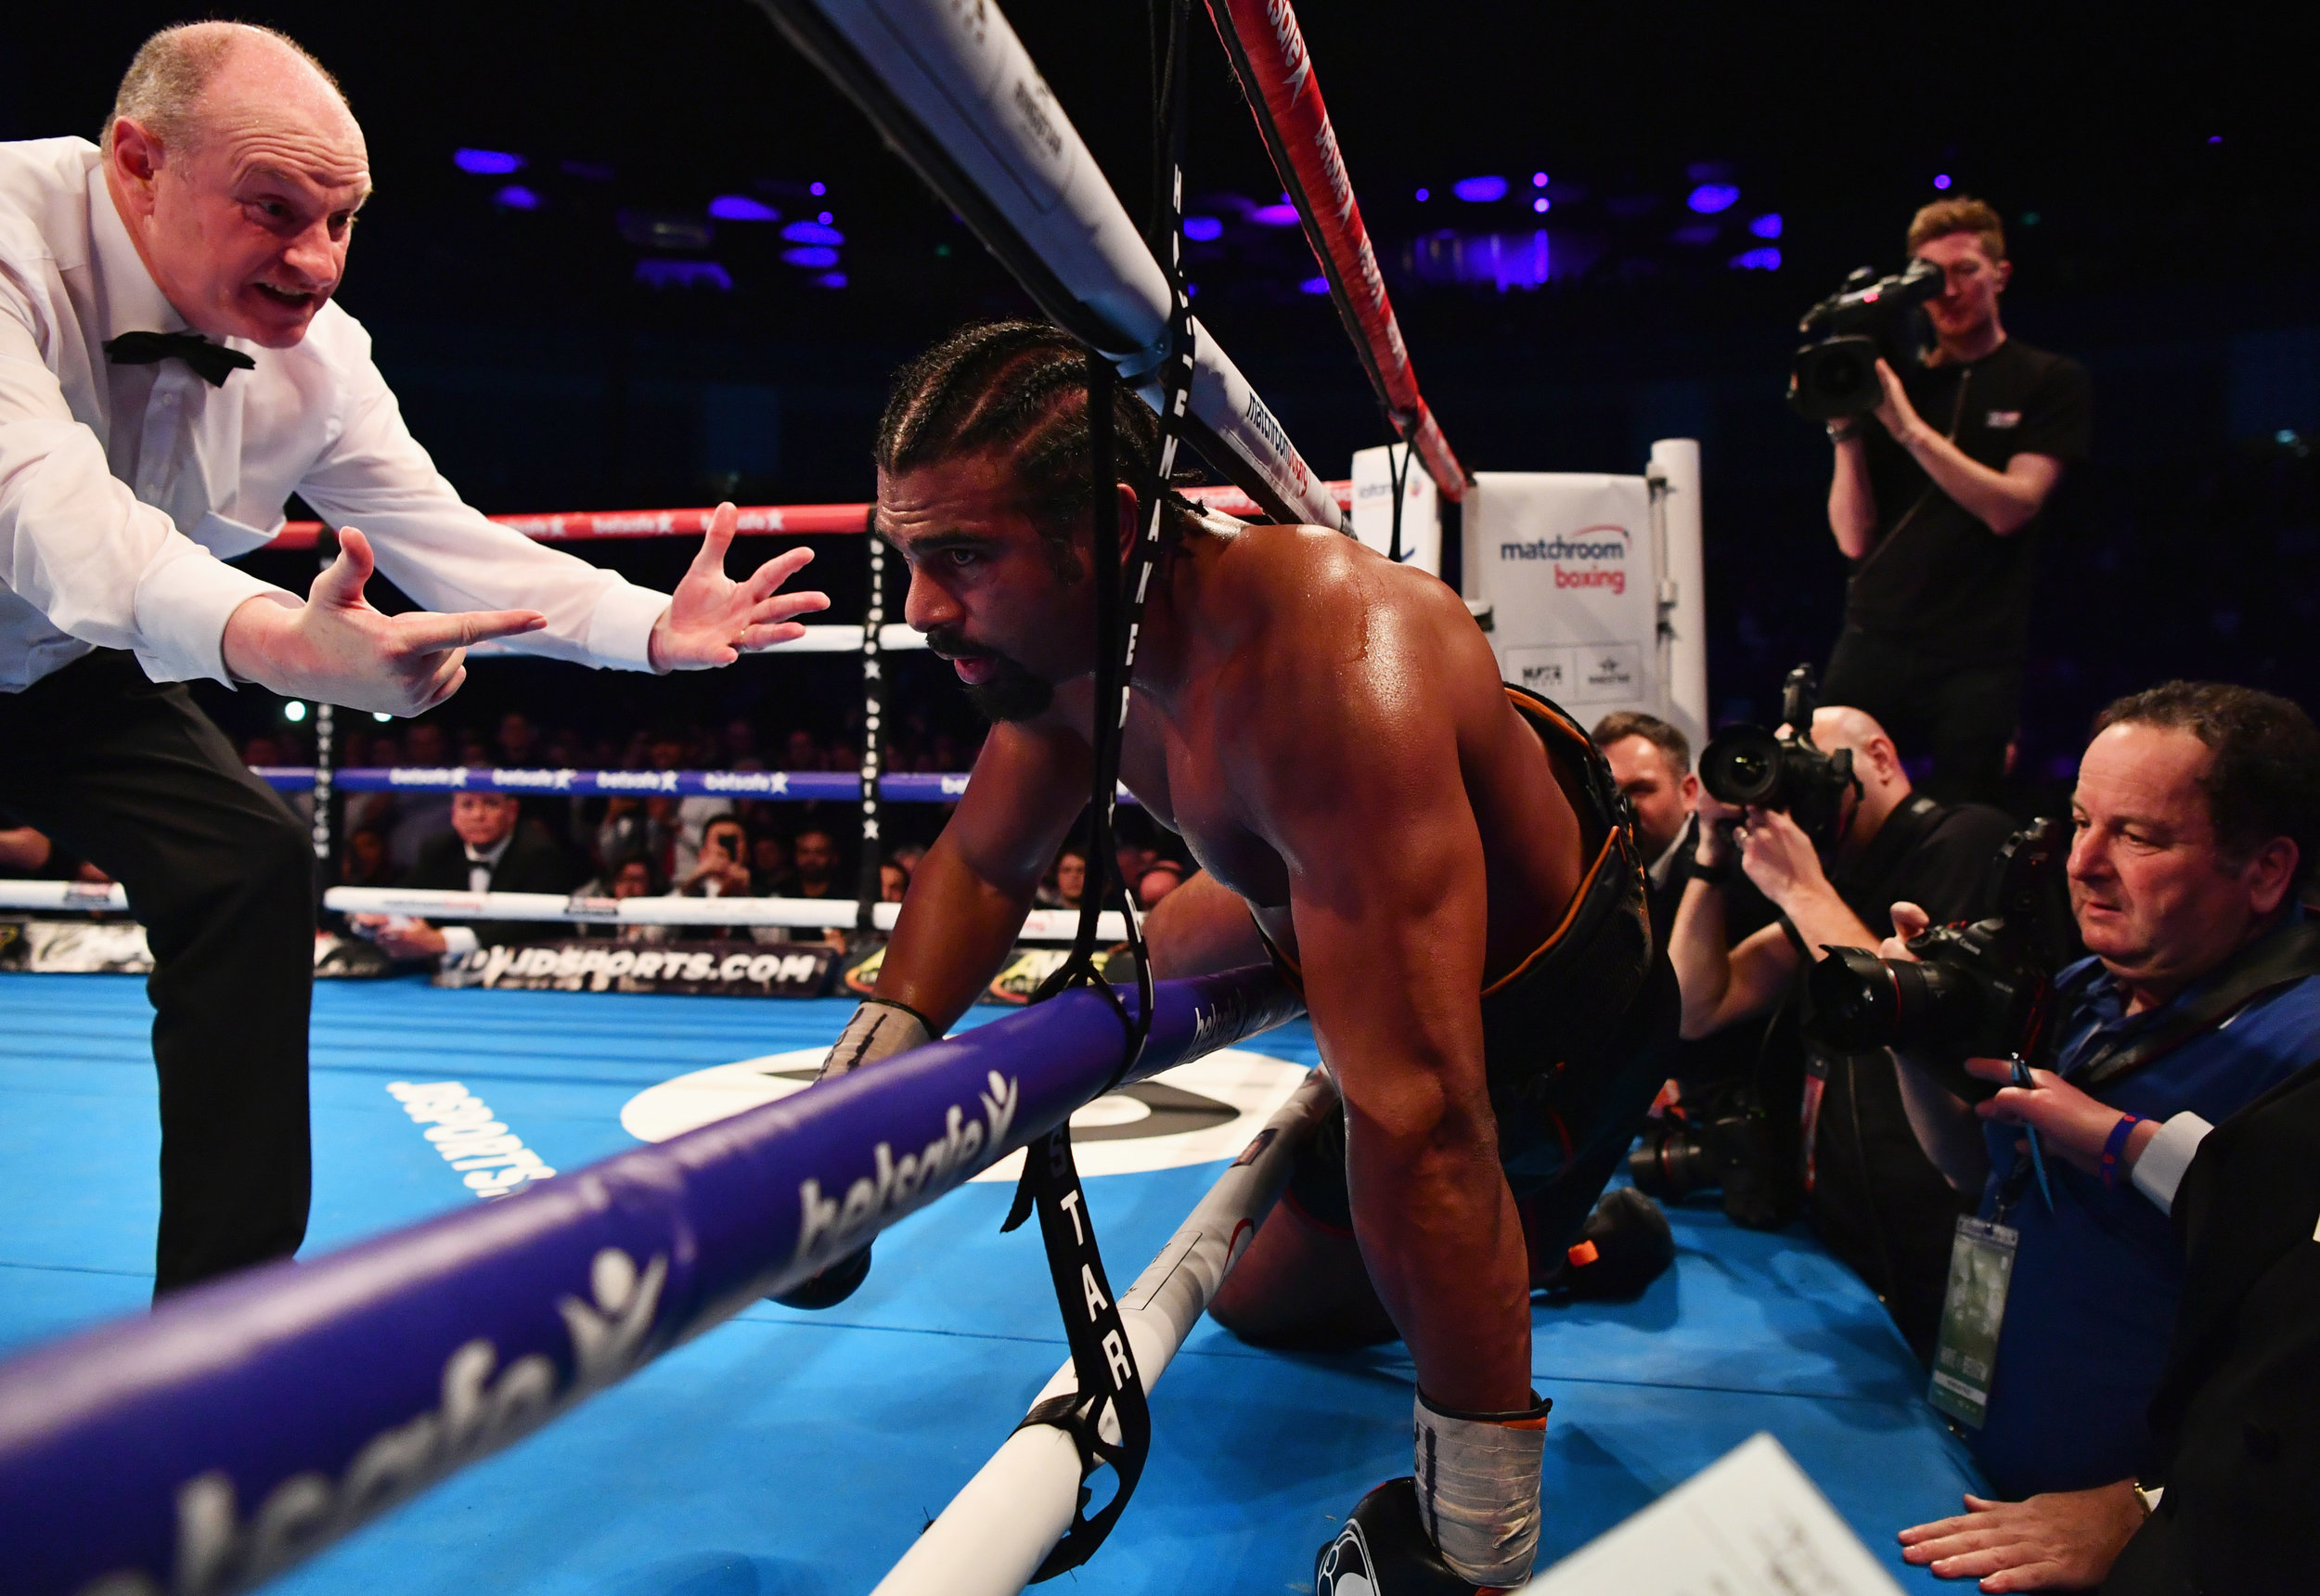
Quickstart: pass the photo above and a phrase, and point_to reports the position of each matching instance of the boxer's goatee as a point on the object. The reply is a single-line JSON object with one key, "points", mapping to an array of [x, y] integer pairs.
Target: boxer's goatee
{"points": [[1012, 693]]}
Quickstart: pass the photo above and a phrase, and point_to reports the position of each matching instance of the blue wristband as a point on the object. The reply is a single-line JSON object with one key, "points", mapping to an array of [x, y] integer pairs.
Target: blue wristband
{"points": [[2116, 1146]]}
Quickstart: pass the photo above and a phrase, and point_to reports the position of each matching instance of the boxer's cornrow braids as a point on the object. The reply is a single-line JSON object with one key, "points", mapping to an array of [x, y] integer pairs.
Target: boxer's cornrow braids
{"points": [[1021, 386]]}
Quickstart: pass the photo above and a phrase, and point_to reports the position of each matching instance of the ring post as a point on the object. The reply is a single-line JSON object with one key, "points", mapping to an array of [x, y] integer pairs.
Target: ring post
{"points": [[245, 1424], [998, 1529]]}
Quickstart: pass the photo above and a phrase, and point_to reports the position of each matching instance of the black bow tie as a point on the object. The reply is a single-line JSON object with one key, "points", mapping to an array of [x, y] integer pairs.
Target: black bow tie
{"points": [[213, 363]]}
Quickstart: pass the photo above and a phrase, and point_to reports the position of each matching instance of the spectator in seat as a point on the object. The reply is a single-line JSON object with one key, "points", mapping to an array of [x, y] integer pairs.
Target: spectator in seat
{"points": [[722, 867], [1163, 878], [1067, 884], [419, 818], [814, 855], [769, 863], [519, 744], [2197, 821], [486, 851], [893, 883], [364, 864]]}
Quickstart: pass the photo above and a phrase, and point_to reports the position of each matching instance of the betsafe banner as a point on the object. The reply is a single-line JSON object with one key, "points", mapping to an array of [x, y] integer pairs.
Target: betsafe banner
{"points": [[720, 967]]}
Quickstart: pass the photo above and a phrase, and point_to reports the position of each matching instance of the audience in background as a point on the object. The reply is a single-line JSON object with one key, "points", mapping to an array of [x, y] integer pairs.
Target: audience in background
{"points": [[487, 850], [893, 882]]}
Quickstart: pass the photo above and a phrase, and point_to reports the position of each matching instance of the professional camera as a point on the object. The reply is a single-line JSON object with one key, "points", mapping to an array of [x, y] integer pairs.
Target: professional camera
{"points": [[1869, 317], [1749, 767], [1979, 990], [1728, 1144]]}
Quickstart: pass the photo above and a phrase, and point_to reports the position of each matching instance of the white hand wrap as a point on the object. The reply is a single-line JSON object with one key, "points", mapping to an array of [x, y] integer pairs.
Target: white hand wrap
{"points": [[878, 1030], [1477, 1476]]}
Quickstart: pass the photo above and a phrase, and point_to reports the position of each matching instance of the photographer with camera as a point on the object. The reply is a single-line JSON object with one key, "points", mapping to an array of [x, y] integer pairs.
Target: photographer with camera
{"points": [[2195, 824], [1717, 1135], [1943, 465], [1823, 822]]}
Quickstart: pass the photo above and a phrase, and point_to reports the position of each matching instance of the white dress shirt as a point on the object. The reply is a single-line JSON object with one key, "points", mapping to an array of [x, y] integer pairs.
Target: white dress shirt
{"points": [[124, 488]]}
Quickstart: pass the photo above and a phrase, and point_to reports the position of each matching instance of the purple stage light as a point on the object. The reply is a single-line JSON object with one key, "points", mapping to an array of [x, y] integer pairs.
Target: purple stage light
{"points": [[814, 257], [1710, 198], [1538, 180], [817, 189], [823, 218], [516, 197], [1424, 195], [1314, 285], [1542, 204], [1766, 225], [487, 162], [1275, 216], [1941, 180], [1763, 260], [1479, 191], [1201, 230], [832, 279], [684, 274], [742, 208], [812, 233]]}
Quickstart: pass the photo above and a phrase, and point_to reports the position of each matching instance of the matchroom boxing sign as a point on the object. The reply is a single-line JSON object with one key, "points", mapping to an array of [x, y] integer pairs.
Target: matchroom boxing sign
{"points": [[1592, 585], [1564, 561]]}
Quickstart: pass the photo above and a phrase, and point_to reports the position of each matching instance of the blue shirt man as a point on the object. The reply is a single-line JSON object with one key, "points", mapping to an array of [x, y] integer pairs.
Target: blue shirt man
{"points": [[2195, 828], [2096, 1280]]}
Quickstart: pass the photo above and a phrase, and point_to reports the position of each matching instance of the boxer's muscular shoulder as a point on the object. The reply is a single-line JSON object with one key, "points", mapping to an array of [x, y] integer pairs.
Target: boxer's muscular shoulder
{"points": [[1310, 611]]}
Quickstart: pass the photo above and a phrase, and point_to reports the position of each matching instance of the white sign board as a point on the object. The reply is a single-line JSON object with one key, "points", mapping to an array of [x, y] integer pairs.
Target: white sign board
{"points": [[1751, 1524], [1566, 562], [1421, 506]]}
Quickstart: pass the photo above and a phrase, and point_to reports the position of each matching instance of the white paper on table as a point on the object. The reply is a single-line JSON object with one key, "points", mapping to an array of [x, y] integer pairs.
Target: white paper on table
{"points": [[1750, 1524]]}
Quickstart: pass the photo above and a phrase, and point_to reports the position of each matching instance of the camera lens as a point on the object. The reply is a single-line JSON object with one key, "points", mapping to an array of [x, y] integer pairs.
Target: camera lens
{"points": [[1741, 767], [1675, 1162]]}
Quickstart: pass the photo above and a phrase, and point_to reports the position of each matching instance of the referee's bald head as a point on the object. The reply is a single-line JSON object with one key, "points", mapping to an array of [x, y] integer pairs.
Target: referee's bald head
{"points": [[173, 71]]}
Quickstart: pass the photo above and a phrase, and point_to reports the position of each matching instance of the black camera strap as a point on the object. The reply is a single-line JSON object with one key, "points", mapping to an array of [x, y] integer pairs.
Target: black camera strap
{"points": [[2264, 966]]}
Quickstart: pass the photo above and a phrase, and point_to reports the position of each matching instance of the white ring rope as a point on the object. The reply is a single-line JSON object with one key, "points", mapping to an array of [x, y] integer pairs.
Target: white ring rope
{"points": [[998, 1529]]}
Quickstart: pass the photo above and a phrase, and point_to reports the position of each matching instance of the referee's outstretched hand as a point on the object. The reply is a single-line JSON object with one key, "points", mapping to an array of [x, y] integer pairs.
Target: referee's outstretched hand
{"points": [[335, 648], [714, 620]]}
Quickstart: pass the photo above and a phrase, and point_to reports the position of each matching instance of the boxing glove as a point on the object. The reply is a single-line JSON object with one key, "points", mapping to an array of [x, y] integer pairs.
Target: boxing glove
{"points": [[878, 1030]]}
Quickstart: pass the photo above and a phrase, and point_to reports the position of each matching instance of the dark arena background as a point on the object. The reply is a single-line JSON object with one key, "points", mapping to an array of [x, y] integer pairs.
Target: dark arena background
{"points": [[629, 255]]}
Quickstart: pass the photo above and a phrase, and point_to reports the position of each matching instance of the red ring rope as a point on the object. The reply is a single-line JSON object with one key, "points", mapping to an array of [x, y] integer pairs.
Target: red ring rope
{"points": [[791, 519], [1267, 47]]}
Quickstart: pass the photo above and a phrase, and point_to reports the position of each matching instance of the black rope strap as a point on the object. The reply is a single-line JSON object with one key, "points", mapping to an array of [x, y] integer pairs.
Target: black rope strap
{"points": [[870, 884], [1107, 1384]]}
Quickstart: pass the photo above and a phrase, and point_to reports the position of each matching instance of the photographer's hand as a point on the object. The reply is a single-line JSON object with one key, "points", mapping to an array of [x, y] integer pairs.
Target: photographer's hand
{"points": [[2003, 501], [1908, 921], [1899, 416], [2073, 1123]]}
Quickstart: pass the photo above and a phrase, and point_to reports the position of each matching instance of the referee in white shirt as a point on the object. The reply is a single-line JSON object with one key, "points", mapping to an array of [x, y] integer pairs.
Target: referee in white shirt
{"points": [[172, 369]]}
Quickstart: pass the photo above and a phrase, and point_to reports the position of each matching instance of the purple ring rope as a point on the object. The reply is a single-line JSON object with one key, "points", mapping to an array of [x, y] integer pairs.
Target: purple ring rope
{"points": [[895, 787], [245, 1424]]}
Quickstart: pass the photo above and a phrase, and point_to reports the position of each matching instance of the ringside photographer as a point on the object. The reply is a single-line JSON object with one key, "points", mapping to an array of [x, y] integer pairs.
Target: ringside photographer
{"points": [[1943, 464], [2195, 825], [1731, 1127], [1833, 834]]}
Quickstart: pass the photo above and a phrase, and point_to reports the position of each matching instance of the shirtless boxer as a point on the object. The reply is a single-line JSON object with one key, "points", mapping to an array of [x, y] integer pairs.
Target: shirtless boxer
{"points": [[1439, 861]]}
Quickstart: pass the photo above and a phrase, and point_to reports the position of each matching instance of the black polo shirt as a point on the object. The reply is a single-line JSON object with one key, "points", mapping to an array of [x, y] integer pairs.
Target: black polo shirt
{"points": [[1936, 577], [1936, 856]]}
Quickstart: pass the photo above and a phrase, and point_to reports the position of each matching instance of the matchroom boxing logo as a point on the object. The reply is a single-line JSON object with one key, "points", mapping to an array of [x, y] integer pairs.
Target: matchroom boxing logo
{"points": [[1598, 555], [1201, 1113]]}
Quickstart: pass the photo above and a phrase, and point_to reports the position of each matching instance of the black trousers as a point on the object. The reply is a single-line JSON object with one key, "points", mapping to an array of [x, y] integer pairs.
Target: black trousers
{"points": [[1961, 714], [129, 775]]}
